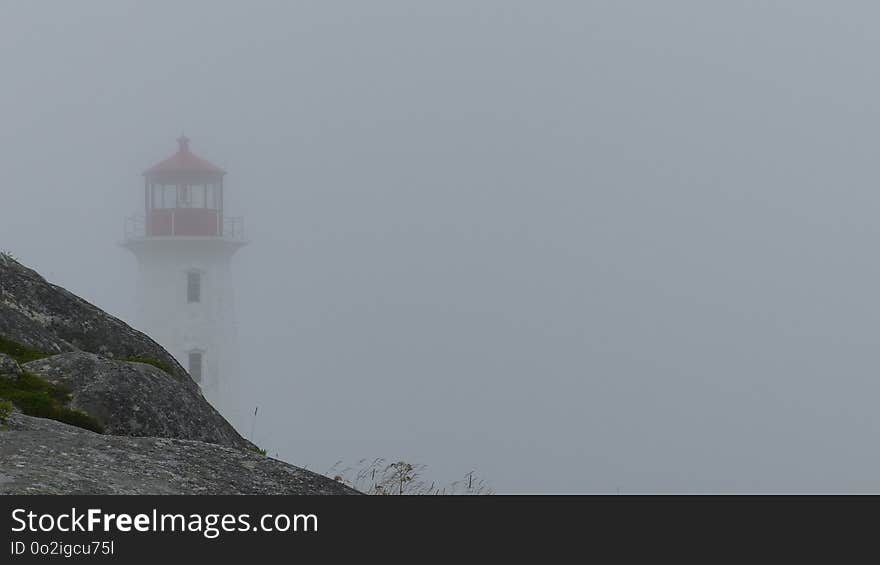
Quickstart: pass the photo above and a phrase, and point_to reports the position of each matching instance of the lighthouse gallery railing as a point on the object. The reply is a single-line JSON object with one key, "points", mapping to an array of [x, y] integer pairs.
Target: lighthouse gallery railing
{"points": [[135, 227]]}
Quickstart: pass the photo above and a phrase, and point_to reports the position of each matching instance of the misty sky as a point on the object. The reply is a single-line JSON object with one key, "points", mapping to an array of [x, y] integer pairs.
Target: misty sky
{"points": [[574, 246]]}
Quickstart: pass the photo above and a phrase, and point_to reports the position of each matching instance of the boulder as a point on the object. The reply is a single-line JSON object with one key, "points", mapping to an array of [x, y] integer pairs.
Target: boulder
{"points": [[135, 399], [48, 318]]}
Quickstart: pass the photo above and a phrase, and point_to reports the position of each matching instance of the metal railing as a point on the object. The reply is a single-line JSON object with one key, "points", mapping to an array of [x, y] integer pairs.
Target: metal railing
{"points": [[233, 228], [135, 227]]}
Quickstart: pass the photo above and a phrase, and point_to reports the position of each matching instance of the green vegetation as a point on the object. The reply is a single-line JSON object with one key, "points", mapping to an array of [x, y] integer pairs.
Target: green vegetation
{"points": [[149, 361], [19, 352], [5, 410], [256, 449], [37, 397]]}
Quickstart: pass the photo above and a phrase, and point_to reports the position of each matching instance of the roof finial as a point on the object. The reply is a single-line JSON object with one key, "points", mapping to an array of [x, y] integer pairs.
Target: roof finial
{"points": [[183, 142]]}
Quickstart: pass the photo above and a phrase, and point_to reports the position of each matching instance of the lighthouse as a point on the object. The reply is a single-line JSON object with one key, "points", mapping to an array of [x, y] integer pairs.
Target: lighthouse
{"points": [[184, 245]]}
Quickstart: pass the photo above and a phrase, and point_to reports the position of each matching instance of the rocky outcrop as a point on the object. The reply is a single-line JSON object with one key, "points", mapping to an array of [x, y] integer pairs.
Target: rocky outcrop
{"points": [[40, 456], [135, 399], [67, 360], [48, 318]]}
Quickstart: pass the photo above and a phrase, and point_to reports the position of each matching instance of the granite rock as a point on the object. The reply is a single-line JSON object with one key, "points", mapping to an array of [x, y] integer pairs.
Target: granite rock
{"points": [[40, 456], [135, 399]]}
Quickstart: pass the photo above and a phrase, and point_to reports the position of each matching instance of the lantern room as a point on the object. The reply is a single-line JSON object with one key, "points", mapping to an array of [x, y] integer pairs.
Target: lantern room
{"points": [[183, 196]]}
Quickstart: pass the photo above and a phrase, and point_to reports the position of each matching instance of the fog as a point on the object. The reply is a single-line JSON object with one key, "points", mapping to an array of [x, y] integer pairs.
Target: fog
{"points": [[573, 246]]}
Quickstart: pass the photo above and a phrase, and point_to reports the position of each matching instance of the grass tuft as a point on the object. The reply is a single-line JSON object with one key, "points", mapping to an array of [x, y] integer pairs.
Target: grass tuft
{"points": [[149, 361], [20, 353], [42, 399]]}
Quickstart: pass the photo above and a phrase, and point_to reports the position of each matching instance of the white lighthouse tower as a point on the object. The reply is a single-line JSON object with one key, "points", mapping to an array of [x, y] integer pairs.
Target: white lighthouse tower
{"points": [[184, 245]]}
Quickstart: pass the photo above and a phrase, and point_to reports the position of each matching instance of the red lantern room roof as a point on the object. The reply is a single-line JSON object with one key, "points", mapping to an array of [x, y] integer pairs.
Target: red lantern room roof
{"points": [[185, 162]]}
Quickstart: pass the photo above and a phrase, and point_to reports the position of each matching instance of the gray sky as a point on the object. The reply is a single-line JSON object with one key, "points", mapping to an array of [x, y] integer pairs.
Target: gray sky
{"points": [[575, 246]]}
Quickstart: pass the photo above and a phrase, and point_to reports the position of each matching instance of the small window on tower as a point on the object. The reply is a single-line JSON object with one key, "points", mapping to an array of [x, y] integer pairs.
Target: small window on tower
{"points": [[195, 365], [193, 286]]}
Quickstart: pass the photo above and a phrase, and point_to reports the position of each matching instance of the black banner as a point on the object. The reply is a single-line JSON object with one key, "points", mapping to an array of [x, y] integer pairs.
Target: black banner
{"points": [[150, 529]]}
